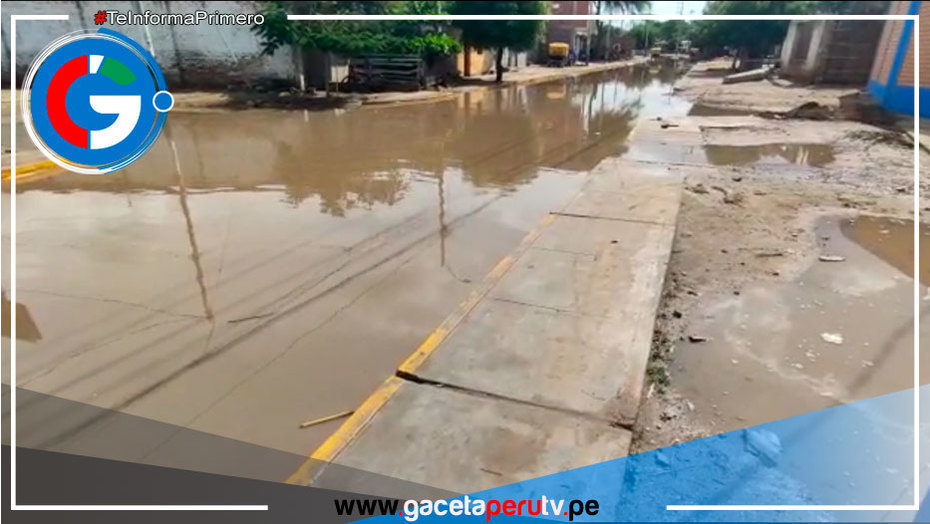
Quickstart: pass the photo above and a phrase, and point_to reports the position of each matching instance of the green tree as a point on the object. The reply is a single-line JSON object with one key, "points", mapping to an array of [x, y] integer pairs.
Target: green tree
{"points": [[631, 6], [499, 34], [353, 37], [751, 38], [605, 29], [861, 7], [669, 33]]}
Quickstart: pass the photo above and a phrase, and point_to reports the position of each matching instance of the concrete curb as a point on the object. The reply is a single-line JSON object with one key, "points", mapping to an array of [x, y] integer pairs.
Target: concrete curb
{"points": [[494, 390]]}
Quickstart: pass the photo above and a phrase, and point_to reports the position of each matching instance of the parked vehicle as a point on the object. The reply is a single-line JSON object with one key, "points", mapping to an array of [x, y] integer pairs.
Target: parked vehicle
{"points": [[558, 54]]}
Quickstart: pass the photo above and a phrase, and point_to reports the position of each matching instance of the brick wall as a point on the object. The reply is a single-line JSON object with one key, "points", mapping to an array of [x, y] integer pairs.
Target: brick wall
{"points": [[849, 52], [888, 44], [906, 73]]}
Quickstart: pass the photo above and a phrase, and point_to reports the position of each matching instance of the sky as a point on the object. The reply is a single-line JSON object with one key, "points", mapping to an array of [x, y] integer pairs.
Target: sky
{"points": [[674, 8]]}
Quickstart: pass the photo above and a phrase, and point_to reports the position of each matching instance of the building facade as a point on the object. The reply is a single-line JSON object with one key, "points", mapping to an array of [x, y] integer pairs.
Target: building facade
{"points": [[891, 82], [189, 55], [830, 51], [576, 33]]}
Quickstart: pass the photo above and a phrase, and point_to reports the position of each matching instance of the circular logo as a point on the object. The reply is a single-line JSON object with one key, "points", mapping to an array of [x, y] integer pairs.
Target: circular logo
{"points": [[94, 102]]}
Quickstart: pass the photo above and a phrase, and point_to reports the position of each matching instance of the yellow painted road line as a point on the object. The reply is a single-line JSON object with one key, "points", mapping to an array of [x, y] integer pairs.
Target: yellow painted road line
{"points": [[428, 346], [28, 170], [338, 441], [346, 432]]}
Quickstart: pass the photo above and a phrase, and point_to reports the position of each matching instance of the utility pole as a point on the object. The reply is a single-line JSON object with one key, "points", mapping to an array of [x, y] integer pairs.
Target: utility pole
{"points": [[646, 38]]}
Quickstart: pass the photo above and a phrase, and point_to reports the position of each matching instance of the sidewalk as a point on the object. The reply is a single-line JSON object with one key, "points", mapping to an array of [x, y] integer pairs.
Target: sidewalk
{"points": [[541, 370]]}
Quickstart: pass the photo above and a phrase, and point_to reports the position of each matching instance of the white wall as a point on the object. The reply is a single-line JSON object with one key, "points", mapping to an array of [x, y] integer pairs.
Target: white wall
{"points": [[804, 68], [190, 56]]}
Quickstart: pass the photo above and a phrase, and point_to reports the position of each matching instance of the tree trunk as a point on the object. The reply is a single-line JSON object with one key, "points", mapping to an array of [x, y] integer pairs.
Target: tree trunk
{"points": [[467, 60], [499, 65]]}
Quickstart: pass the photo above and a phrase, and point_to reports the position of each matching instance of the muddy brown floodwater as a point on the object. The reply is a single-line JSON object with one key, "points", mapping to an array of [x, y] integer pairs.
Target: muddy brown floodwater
{"points": [[892, 240], [814, 155], [258, 269]]}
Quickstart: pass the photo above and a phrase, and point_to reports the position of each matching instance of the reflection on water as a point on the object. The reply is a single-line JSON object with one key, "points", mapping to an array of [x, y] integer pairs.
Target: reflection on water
{"points": [[371, 156], [892, 240], [814, 155]]}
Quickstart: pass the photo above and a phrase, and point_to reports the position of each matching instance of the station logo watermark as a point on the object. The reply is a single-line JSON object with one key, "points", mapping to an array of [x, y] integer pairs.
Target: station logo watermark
{"points": [[197, 17], [94, 102]]}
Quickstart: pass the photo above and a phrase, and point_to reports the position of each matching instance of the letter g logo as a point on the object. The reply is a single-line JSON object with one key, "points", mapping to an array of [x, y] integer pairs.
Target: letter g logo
{"points": [[94, 102]]}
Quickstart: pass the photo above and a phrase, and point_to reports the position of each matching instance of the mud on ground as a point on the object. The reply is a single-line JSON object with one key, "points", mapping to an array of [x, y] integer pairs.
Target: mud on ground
{"points": [[704, 86], [738, 339]]}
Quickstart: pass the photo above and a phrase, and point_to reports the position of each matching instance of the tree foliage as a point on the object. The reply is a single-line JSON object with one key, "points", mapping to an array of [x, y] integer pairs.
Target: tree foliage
{"points": [[856, 7], [494, 34], [354, 37], [628, 6], [499, 34], [668, 32], [753, 38]]}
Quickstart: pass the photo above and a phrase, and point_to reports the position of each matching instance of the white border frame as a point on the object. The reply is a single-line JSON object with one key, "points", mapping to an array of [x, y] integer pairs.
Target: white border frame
{"points": [[915, 506], [57, 507]]}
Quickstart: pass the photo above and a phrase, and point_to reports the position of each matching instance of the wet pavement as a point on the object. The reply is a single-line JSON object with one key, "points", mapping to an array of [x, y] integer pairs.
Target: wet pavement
{"points": [[262, 268]]}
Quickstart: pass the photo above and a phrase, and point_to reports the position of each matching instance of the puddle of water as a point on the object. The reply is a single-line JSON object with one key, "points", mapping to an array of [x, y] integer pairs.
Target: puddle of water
{"points": [[890, 239], [814, 155]]}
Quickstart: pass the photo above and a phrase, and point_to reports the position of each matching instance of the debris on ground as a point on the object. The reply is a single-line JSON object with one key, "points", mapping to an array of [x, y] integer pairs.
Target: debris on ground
{"points": [[322, 420], [859, 106], [662, 459], [763, 444], [730, 197], [704, 87], [770, 253], [831, 258], [810, 111], [698, 188], [734, 256], [749, 76]]}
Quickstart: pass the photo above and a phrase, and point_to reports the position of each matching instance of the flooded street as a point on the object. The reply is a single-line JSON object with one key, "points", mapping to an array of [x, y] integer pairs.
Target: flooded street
{"points": [[258, 269]]}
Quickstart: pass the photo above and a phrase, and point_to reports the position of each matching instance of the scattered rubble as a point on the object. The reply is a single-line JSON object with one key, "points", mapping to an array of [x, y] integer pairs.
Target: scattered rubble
{"points": [[749, 76], [729, 196], [698, 188], [763, 444], [723, 251]]}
